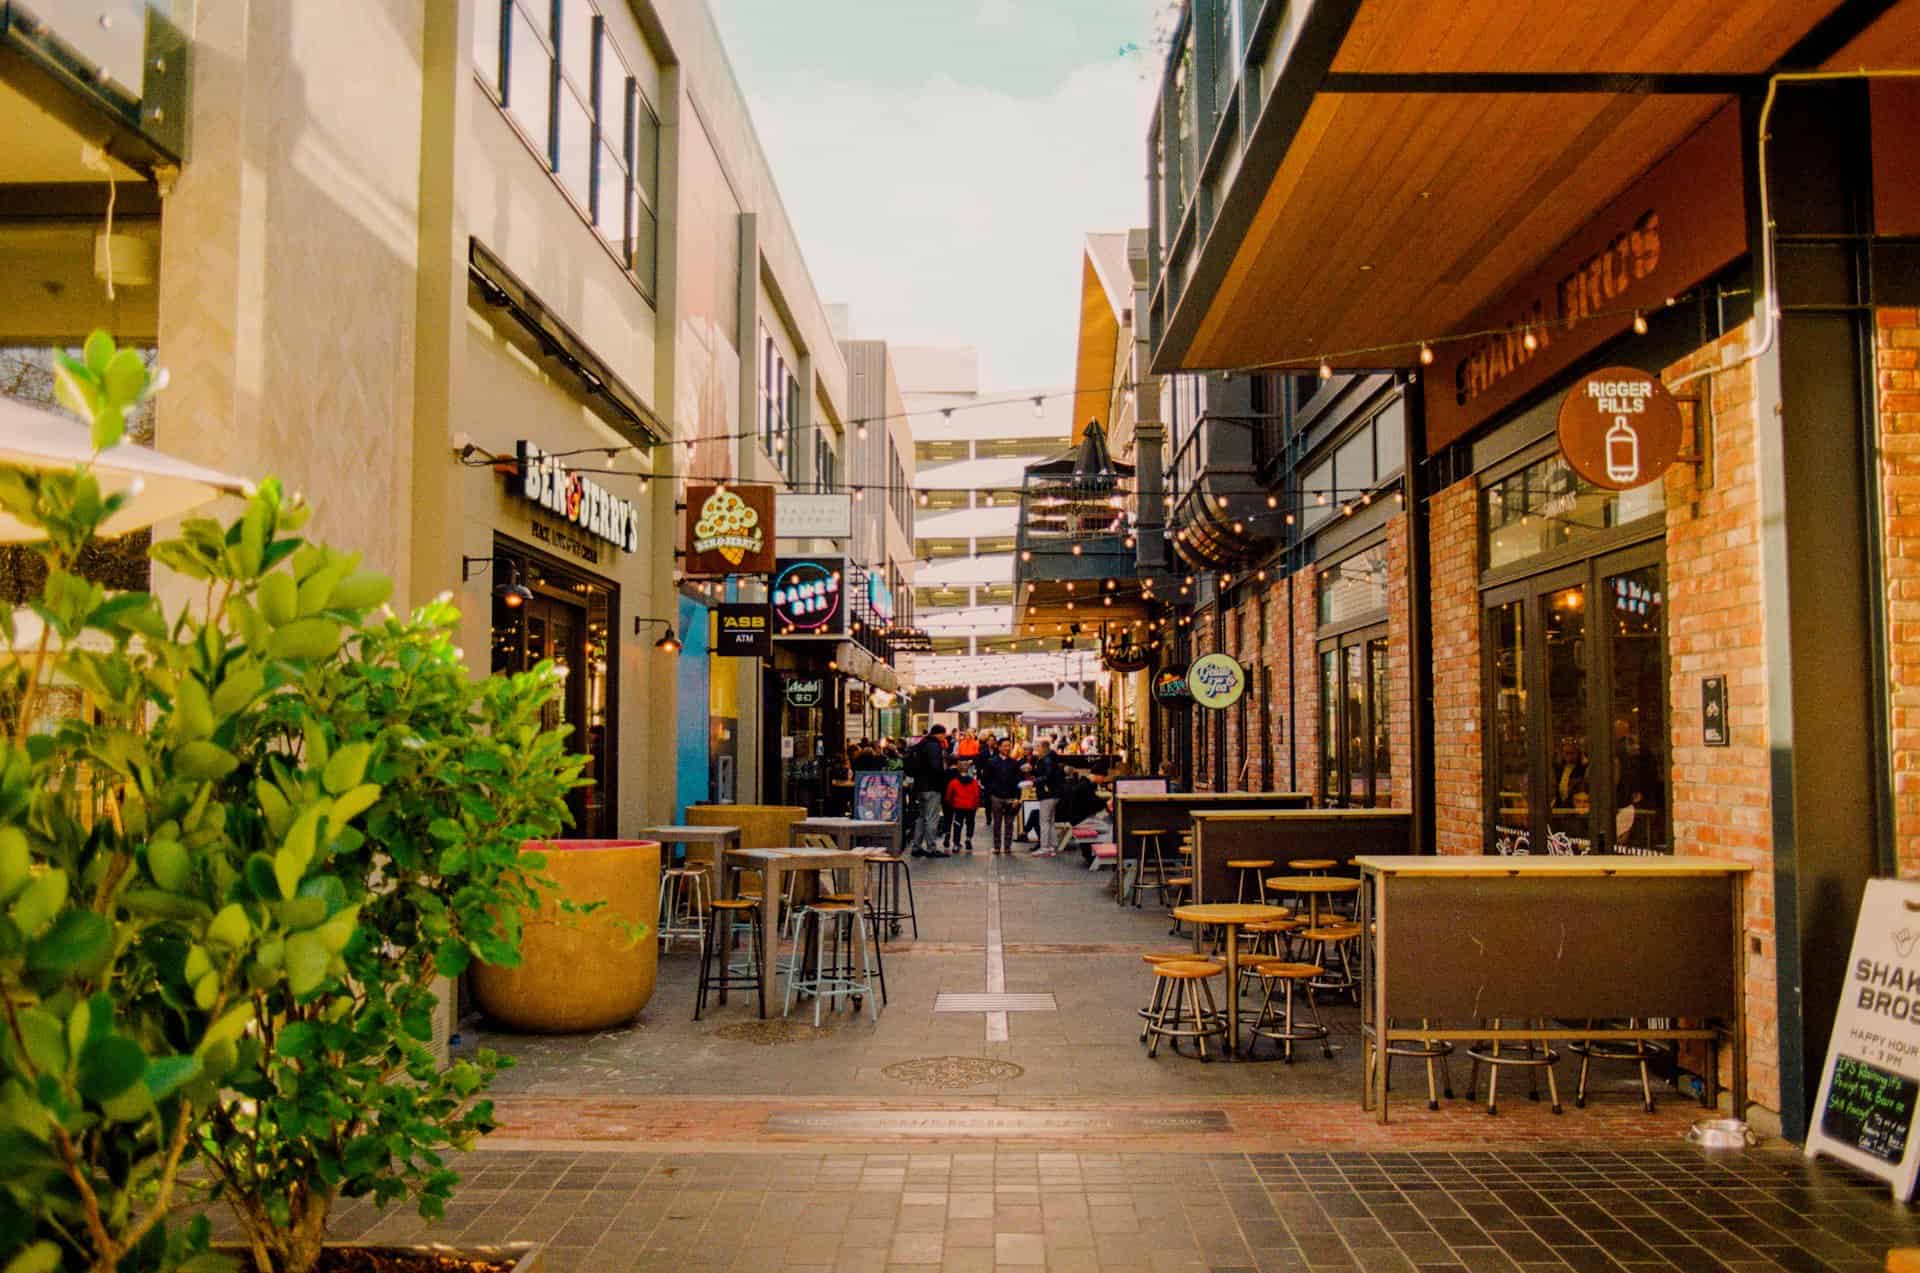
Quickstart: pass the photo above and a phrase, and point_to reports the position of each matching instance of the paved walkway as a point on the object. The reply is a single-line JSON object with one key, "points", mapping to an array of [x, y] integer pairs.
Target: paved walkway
{"points": [[958, 1141]]}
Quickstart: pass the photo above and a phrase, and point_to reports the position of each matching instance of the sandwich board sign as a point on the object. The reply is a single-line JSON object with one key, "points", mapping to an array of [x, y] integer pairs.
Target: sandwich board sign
{"points": [[1870, 1088]]}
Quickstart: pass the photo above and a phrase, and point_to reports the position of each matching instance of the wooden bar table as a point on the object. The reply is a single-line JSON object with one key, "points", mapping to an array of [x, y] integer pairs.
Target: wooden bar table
{"points": [[716, 841], [1230, 916], [1603, 937], [775, 863], [847, 832], [1313, 888]]}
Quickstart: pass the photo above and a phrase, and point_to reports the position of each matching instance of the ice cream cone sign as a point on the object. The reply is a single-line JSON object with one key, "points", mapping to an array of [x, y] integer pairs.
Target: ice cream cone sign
{"points": [[731, 530]]}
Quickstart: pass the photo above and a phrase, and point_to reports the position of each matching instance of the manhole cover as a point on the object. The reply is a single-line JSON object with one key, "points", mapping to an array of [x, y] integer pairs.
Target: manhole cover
{"points": [[951, 1073], [769, 1033]]}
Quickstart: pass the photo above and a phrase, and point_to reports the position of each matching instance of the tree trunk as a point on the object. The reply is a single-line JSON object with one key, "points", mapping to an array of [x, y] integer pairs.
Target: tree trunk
{"points": [[295, 1248]]}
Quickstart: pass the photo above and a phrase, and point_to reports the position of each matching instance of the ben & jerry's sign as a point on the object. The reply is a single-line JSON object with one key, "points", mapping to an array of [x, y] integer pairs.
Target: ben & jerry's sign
{"points": [[729, 530], [1682, 220], [546, 482]]}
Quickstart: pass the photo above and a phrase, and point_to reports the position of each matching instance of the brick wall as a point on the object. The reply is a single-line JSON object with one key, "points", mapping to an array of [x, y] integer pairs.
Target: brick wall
{"points": [[1453, 539], [1306, 688], [1400, 682], [1898, 356], [1721, 795]]}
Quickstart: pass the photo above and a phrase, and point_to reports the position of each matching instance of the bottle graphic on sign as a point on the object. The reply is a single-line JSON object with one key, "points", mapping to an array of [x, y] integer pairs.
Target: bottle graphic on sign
{"points": [[1623, 451]]}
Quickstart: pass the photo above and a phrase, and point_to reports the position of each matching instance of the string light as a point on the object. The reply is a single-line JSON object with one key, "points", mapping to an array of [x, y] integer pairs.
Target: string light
{"points": [[1639, 323], [1326, 371], [1273, 501], [1039, 406], [1426, 355], [1529, 341]]}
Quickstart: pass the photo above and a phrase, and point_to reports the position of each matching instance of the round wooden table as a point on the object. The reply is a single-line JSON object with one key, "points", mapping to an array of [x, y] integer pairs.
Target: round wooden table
{"points": [[1313, 888], [1230, 916]]}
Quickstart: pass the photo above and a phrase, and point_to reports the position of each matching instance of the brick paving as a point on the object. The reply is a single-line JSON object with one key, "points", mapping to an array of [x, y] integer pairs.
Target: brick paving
{"points": [[914, 1144]]}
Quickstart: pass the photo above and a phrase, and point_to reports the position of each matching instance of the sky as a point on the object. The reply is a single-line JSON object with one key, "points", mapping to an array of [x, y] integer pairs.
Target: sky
{"points": [[942, 160]]}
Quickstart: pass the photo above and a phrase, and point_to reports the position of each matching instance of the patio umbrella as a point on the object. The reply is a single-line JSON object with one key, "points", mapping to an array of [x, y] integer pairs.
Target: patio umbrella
{"points": [[160, 486], [1011, 701]]}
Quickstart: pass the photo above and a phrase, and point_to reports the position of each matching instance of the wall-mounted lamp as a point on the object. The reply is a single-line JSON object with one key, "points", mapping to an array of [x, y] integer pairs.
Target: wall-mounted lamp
{"points": [[668, 641], [512, 593]]}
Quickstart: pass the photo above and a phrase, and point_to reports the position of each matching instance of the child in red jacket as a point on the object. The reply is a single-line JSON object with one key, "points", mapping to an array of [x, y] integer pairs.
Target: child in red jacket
{"points": [[963, 801]]}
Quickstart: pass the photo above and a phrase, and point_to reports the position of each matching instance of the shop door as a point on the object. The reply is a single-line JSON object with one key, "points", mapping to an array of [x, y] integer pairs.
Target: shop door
{"points": [[1356, 759], [1576, 709], [549, 628]]}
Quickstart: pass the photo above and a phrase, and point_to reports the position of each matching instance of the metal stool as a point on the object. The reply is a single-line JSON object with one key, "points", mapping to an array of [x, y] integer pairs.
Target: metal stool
{"points": [[1334, 941], [1267, 939], [1149, 857], [727, 916], [842, 960], [1181, 886], [1639, 1051], [1187, 1006], [1284, 1030], [1256, 865], [890, 873], [1154, 959], [1429, 1050], [1529, 1055], [685, 898]]}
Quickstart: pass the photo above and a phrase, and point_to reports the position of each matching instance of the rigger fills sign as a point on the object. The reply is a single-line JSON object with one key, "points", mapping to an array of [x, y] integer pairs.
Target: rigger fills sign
{"points": [[546, 481]]}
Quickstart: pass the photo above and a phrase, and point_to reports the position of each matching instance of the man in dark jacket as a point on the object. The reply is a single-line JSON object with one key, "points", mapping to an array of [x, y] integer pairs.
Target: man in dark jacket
{"points": [[927, 766], [1000, 775], [1049, 781]]}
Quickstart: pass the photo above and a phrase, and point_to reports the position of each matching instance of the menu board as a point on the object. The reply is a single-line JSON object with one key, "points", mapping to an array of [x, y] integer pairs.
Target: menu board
{"points": [[1869, 1108], [1870, 1088]]}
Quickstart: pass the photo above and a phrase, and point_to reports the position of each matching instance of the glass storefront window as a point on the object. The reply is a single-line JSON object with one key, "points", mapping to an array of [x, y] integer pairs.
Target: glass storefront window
{"points": [[1547, 506], [1381, 698], [1330, 703], [1507, 732], [1634, 618], [1569, 794], [1354, 587]]}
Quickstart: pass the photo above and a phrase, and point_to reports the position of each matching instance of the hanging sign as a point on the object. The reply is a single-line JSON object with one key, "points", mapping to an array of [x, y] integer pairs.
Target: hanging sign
{"points": [[1620, 428], [807, 597], [745, 631], [546, 481], [730, 530], [1870, 1088], [1713, 711], [1170, 687], [879, 596], [806, 691], [814, 516], [1216, 681]]}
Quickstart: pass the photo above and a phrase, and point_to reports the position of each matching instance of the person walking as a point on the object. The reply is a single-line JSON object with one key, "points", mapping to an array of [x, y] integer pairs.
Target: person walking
{"points": [[926, 764], [964, 794], [1049, 781], [1000, 777]]}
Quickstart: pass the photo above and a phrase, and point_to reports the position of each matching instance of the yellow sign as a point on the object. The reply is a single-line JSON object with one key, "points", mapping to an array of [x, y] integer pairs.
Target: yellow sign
{"points": [[1216, 681]]}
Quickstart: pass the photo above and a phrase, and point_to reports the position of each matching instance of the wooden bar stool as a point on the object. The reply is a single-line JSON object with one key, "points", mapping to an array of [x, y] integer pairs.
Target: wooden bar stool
{"points": [[1188, 1009], [1257, 867], [1269, 940], [1432, 1051], [1148, 857], [1334, 941], [716, 956], [1181, 886], [1529, 1055], [1284, 1030], [1638, 1051], [1154, 959]]}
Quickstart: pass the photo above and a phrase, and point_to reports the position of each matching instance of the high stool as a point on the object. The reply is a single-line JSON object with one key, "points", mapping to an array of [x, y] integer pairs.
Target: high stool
{"points": [[1187, 1006], [1432, 1051], [1241, 866], [1334, 941], [1154, 959], [727, 915], [1529, 1055], [1148, 858], [685, 898], [1284, 1030], [1268, 939], [1639, 1051], [842, 960], [1181, 886], [892, 879]]}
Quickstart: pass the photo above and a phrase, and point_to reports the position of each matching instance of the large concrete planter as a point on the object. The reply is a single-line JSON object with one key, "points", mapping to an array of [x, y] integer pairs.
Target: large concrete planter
{"points": [[525, 1256], [762, 826], [582, 972]]}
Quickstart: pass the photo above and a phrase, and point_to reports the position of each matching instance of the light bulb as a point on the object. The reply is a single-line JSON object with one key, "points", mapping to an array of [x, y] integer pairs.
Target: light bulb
{"points": [[1426, 355], [1326, 371], [1273, 501], [1529, 341], [1039, 407], [1639, 323]]}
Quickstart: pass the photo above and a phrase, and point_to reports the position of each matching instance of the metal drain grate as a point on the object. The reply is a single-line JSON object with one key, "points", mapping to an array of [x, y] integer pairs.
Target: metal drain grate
{"points": [[950, 1001]]}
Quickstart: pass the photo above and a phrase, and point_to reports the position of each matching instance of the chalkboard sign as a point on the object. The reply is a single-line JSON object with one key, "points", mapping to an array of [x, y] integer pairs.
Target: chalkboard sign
{"points": [[1869, 1108], [1870, 1088]]}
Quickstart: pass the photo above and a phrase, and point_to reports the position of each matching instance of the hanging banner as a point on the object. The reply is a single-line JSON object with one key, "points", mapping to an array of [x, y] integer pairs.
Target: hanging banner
{"points": [[745, 631], [1216, 681], [1870, 1088], [730, 531], [808, 597]]}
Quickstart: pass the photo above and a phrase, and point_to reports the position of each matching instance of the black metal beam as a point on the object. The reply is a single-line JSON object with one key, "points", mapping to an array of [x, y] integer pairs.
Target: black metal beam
{"points": [[1612, 83], [1833, 33]]}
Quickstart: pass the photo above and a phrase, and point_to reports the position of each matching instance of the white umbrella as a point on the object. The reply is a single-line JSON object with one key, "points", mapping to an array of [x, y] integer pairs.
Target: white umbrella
{"points": [[160, 486], [1012, 701]]}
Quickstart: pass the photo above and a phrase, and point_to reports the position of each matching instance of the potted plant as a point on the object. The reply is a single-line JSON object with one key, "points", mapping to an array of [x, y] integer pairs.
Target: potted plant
{"points": [[227, 890]]}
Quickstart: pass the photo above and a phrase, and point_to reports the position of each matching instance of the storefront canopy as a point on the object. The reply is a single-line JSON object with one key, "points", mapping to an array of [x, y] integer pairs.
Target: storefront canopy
{"points": [[1012, 701]]}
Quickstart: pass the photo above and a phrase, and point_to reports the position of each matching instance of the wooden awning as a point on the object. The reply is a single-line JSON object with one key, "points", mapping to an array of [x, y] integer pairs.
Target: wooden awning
{"points": [[1439, 152]]}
